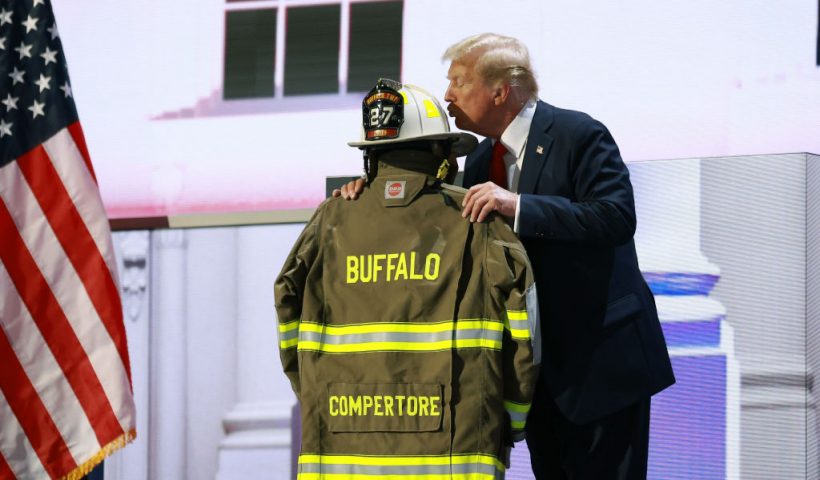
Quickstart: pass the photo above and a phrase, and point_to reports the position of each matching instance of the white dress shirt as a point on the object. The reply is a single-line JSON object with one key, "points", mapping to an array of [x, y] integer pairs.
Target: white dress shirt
{"points": [[514, 140]]}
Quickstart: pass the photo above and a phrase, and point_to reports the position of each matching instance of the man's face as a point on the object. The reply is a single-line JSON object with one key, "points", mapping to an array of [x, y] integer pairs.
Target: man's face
{"points": [[470, 99]]}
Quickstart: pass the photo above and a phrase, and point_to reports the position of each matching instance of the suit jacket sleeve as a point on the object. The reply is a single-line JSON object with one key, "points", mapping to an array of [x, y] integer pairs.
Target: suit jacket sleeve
{"points": [[289, 293], [596, 206]]}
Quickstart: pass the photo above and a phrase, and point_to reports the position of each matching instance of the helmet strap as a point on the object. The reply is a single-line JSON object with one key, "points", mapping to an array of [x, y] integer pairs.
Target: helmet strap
{"points": [[443, 169], [370, 168]]}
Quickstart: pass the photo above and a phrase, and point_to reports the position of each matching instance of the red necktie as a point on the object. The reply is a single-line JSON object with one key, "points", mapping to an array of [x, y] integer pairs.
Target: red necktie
{"points": [[498, 169]]}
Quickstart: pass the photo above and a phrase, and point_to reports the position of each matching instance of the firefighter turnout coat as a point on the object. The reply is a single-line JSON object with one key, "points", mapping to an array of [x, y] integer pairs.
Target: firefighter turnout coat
{"points": [[410, 335]]}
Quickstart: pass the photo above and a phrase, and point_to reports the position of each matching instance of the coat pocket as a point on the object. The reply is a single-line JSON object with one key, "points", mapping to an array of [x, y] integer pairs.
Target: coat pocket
{"points": [[622, 310]]}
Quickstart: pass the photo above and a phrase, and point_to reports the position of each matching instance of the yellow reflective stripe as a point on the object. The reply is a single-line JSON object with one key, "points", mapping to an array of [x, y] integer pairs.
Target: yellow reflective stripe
{"points": [[418, 337], [286, 327], [477, 458], [470, 324], [399, 346], [377, 460], [482, 324], [288, 334], [479, 343], [359, 476], [518, 413], [519, 334], [289, 343], [377, 328], [519, 318], [516, 407]]}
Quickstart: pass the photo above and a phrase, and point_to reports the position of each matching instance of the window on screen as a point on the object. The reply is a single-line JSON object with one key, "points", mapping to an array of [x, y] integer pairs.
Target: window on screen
{"points": [[375, 44], [326, 47], [250, 53], [312, 50]]}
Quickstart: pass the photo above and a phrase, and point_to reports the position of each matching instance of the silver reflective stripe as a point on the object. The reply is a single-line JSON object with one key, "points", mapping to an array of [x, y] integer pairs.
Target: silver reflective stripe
{"points": [[480, 468], [518, 419], [518, 413], [534, 323], [466, 333], [397, 337], [349, 469], [374, 337], [521, 325], [289, 335]]}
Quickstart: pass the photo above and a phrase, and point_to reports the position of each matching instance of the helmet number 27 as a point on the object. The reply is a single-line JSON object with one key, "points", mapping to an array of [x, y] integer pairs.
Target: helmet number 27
{"points": [[380, 115]]}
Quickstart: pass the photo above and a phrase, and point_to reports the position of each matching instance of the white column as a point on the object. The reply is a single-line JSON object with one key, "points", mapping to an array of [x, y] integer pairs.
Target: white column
{"points": [[131, 248], [258, 434], [211, 334], [168, 422], [667, 201]]}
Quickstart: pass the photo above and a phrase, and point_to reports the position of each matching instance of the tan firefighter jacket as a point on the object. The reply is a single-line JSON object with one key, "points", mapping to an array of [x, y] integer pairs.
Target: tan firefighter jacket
{"points": [[409, 334]]}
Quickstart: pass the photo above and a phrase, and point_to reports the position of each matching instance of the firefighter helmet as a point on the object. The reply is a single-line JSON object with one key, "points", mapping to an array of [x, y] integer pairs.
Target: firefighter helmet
{"points": [[395, 113]]}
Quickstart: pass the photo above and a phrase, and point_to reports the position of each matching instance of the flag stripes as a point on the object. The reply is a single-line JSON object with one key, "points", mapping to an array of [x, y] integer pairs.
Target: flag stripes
{"points": [[75, 376], [36, 423], [66, 400], [5, 469], [76, 303], [82, 251], [67, 159], [15, 448], [39, 365], [36, 294], [76, 131]]}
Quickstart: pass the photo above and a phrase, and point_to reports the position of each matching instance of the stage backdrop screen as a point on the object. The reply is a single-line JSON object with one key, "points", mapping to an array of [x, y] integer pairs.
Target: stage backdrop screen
{"points": [[213, 105]]}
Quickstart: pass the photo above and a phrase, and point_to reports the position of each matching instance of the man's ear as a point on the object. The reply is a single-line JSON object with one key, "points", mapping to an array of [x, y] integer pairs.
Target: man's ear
{"points": [[501, 93]]}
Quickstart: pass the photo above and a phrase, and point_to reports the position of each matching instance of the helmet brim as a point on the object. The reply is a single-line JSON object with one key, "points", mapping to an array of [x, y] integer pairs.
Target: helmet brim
{"points": [[463, 144]]}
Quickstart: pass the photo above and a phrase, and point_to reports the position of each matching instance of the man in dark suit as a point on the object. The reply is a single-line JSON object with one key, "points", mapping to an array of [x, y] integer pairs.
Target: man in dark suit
{"points": [[557, 175]]}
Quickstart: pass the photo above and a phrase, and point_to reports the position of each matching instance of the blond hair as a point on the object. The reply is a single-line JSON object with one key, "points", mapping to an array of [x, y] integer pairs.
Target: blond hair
{"points": [[498, 59]]}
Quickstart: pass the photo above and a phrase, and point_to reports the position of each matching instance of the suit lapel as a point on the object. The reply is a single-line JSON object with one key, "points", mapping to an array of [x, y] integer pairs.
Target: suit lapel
{"points": [[538, 147]]}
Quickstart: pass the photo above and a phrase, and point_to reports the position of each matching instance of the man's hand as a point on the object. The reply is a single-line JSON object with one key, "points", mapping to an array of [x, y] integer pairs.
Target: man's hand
{"points": [[350, 190], [487, 197]]}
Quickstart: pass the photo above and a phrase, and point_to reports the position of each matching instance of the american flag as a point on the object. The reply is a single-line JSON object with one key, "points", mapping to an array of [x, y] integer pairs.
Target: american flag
{"points": [[65, 381]]}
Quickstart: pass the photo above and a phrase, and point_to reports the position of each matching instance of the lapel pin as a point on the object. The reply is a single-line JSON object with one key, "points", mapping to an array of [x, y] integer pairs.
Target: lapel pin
{"points": [[539, 149]]}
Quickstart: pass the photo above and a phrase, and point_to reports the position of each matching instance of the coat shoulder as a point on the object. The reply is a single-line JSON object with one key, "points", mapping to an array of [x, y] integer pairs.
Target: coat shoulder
{"points": [[454, 189], [569, 121]]}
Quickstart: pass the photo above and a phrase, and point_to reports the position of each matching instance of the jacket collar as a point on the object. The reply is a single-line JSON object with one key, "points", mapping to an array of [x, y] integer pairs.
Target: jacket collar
{"points": [[408, 161], [539, 143]]}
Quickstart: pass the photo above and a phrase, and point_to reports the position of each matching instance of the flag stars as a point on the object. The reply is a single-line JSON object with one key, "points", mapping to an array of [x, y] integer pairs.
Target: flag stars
{"points": [[5, 17], [49, 56], [10, 103], [24, 50], [5, 128], [36, 108], [43, 83], [16, 76], [30, 24], [66, 88], [53, 31], [3, 43], [38, 2]]}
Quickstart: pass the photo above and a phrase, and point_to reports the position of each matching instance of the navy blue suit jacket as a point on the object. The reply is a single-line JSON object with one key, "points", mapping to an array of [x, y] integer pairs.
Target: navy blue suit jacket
{"points": [[603, 348]]}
